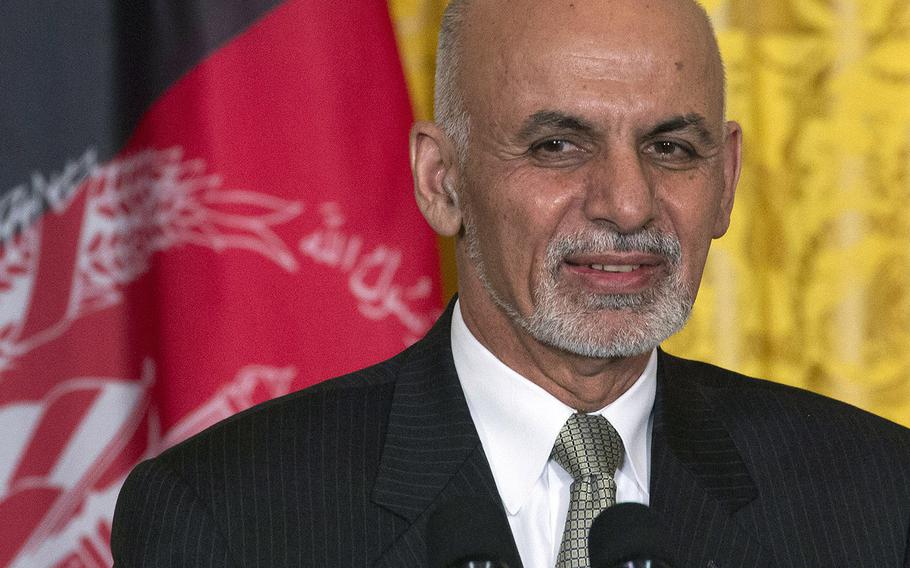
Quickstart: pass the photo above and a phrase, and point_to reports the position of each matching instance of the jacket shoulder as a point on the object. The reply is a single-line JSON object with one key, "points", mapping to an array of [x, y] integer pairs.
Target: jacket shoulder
{"points": [[359, 396], [289, 478], [745, 402]]}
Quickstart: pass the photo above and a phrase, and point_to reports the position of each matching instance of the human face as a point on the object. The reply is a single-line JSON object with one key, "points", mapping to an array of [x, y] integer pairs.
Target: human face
{"points": [[599, 169]]}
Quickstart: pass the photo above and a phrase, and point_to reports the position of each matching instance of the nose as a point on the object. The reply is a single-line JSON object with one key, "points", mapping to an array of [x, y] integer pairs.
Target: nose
{"points": [[619, 192]]}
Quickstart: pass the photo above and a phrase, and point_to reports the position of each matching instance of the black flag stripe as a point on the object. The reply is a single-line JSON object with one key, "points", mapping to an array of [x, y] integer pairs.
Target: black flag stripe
{"points": [[80, 74]]}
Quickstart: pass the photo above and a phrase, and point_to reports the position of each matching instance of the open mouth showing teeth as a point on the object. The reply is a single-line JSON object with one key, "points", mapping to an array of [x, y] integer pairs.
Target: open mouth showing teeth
{"points": [[614, 267]]}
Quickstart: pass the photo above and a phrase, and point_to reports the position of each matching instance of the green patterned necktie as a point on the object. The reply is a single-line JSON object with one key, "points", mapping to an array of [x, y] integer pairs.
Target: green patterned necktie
{"points": [[591, 451]]}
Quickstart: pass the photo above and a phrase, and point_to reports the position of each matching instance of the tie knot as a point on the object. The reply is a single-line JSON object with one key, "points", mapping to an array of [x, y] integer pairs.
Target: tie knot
{"points": [[588, 444]]}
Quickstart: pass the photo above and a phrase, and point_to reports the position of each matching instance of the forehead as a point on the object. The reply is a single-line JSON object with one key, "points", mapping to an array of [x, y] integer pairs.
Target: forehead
{"points": [[590, 56]]}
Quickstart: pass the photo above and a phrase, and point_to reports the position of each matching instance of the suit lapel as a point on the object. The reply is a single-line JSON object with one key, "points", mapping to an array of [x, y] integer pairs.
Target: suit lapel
{"points": [[431, 451], [698, 477]]}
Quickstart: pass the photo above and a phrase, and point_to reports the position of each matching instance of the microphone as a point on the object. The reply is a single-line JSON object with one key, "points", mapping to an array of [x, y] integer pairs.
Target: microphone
{"points": [[470, 532], [629, 535]]}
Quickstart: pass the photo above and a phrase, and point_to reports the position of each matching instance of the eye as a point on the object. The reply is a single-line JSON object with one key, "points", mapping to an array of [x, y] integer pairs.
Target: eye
{"points": [[557, 152], [665, 147], [669, 150], [553, 146]]}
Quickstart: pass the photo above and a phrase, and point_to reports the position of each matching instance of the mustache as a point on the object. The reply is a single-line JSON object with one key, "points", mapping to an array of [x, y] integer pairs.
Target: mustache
{"points": [[603, 241]]}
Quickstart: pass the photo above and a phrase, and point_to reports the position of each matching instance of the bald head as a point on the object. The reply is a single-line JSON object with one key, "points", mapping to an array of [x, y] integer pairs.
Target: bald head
{"points": [[473, 30]]}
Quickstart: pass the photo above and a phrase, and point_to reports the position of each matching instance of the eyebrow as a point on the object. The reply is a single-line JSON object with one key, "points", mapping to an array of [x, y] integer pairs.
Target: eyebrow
{"points": [[691, 121], [553, 120], [546, 120]]}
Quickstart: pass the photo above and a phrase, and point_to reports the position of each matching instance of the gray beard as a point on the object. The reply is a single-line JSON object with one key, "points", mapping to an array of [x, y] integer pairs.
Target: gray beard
{"points": [[567, 320]]}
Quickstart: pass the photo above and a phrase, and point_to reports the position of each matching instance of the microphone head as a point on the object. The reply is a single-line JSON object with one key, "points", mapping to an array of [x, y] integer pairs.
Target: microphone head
{"points": [[627, 532], [466, 529]]}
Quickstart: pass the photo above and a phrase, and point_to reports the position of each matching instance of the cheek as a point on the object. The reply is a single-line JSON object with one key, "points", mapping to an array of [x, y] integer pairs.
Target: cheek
{"points": [[518, 214], [690, 211], [523, 202]]}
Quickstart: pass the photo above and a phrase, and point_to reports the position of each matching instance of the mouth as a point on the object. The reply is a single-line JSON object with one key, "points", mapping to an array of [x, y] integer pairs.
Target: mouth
{"points": [[614, 267], [614, 273]]}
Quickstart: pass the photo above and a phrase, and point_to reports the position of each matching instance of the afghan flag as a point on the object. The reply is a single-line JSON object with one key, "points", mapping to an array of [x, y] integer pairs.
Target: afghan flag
{"points": [[203, 204]]}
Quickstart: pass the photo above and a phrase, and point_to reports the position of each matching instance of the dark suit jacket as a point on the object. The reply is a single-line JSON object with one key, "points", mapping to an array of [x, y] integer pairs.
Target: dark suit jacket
{"points": [[746, 472]]}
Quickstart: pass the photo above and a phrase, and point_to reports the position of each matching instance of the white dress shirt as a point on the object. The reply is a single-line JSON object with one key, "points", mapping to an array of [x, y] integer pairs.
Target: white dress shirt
{"points": [[518, 423]]}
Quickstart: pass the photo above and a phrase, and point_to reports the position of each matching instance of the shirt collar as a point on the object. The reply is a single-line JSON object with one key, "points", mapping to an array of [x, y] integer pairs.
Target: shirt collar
{"points": [[518, 421]]}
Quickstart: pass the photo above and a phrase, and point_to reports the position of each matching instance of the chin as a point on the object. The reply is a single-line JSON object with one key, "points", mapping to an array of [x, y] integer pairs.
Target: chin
{"points": [[618, 334]]}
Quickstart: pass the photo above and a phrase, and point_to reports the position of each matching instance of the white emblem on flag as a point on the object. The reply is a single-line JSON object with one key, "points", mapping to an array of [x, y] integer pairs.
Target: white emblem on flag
{"points": [[64, 450], [63, 538], [136, 206], [372, 275]]}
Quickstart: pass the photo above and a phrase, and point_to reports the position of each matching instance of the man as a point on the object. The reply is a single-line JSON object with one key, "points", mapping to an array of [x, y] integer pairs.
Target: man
{"points": [[582, 161]]}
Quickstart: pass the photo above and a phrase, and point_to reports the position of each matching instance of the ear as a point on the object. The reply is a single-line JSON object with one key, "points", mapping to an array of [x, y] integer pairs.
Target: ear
{"points": [[732, 165], [435, 178]]}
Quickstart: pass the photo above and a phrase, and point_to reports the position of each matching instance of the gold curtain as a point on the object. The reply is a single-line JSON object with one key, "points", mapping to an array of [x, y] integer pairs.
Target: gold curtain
{"points": [[811, 286]]}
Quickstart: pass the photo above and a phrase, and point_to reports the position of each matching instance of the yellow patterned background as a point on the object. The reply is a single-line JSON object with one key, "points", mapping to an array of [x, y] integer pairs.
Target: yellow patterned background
{"points": [[811, 286]]}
